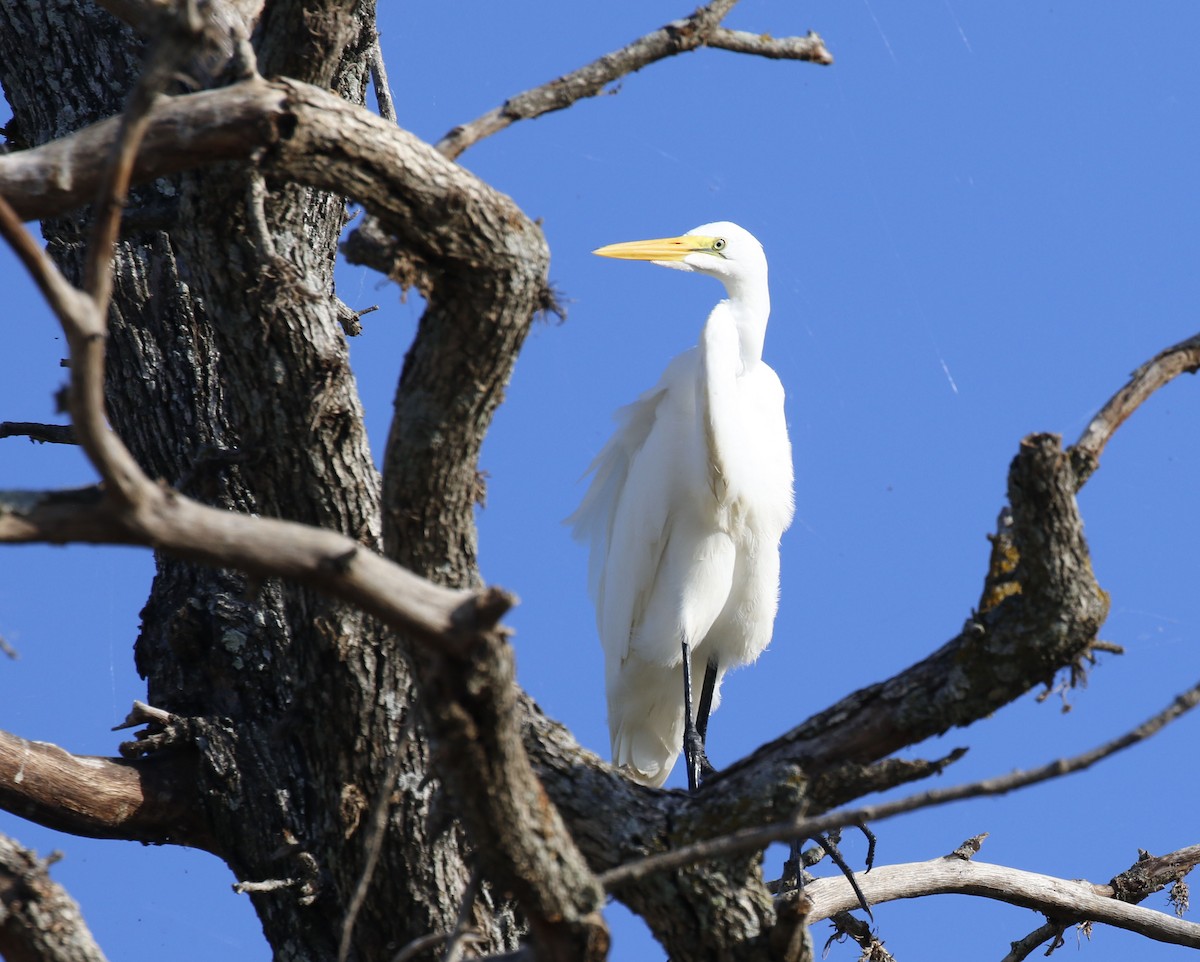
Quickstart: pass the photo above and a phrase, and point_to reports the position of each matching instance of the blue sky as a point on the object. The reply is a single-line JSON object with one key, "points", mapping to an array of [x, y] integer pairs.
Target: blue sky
{"points": [[978, 221]]}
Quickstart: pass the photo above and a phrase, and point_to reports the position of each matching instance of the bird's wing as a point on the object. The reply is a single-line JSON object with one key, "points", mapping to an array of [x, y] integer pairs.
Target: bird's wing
{"points": [[613, 513]]}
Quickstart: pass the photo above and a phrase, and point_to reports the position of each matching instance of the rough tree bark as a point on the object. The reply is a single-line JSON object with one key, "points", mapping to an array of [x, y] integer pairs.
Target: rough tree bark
{"points": [[283, 712]]}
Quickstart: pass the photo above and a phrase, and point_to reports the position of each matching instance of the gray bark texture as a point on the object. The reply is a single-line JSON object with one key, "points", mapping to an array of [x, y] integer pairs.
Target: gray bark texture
{"points": [[286, 717]]}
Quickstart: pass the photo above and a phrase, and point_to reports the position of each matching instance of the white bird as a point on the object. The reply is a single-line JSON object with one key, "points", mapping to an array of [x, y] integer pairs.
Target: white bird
{"points": [[684, 513]]}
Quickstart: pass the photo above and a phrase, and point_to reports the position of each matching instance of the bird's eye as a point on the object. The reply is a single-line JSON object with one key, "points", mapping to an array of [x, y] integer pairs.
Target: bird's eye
{"points": [[719, 244]]}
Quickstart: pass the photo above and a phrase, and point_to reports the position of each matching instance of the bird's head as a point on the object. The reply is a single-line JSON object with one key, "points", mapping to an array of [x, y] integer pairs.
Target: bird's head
{"points": [[722, 250]]}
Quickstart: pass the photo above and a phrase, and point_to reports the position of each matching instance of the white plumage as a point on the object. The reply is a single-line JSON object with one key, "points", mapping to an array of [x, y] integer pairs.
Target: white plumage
{"points": [[686, 506]]}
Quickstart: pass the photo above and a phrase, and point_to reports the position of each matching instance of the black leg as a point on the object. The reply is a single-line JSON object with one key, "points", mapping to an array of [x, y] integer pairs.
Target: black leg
{"points": [[796, 863], [695, 727], [706, 696]]}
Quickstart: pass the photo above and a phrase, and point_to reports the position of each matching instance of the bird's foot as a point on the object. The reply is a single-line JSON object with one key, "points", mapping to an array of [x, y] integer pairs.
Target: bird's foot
{"points": [[698, 765], [827, 845]]}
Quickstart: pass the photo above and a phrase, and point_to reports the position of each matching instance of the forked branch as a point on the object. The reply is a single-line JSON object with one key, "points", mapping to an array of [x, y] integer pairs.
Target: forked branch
{"points": [[701, 29]]}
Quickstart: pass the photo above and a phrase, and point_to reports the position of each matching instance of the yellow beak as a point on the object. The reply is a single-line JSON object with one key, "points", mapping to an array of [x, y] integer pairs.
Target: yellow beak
{"points": [[663, 249]]}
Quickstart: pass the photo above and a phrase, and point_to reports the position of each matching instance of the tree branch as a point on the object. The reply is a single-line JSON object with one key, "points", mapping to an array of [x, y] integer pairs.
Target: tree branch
{"points": [[148, 800], [1149, 874], [701, 28], [333, 563], [39, 921], [752, 839], [42, 433], [1160, 370], [1061, 899]]}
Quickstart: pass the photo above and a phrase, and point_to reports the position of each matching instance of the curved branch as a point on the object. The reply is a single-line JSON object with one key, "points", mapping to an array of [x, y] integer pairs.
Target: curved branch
{"points": [[147, 800], [701, 28], [1157, 372], [1062, 899], [447, 618]]}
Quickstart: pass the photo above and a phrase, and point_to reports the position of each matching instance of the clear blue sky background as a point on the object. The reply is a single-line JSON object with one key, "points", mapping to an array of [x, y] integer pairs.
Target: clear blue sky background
{"points": [[979, 220]]}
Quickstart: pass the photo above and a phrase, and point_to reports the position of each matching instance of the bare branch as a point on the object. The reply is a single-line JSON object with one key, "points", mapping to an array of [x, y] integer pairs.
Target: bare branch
{"points": [[701, 28], [373, 839], [1149, 874], [146, 800], [229, 123], [42, 433], [1155, 373], [810, 47], [83, 322], [1046, 932], [268, 547], [379, 80], [755, 838], [1061, 899], [38, 919]]}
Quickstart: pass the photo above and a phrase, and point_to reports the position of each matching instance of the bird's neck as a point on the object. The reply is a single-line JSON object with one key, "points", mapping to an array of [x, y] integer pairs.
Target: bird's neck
{"points": [[750, 306]]}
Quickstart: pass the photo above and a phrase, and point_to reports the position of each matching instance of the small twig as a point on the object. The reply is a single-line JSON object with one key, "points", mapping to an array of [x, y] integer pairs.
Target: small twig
{"points": [[701, 28], [306, 883], [1048, 931], [41, 433], [143, 714], [755, 838], [456, 938], [1160, 370], [811, 47], [379, 79], [462, 933], [373, 838], [419, 945]]}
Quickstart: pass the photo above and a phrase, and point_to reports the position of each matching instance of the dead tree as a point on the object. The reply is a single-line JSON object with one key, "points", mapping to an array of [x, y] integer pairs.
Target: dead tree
{"points": [[316, 629]]}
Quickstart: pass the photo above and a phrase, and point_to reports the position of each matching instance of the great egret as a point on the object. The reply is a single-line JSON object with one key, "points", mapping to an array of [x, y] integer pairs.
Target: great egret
{"points": [[685, 509]]}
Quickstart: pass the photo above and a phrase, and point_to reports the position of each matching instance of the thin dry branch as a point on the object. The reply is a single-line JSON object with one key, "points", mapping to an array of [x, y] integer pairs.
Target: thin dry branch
{"points": [[809, 47], [701, 28], [373, 839], [1061, 899], [1159, 371], [752, 839], [379, 81], [1149, 874], [83, 321]]}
